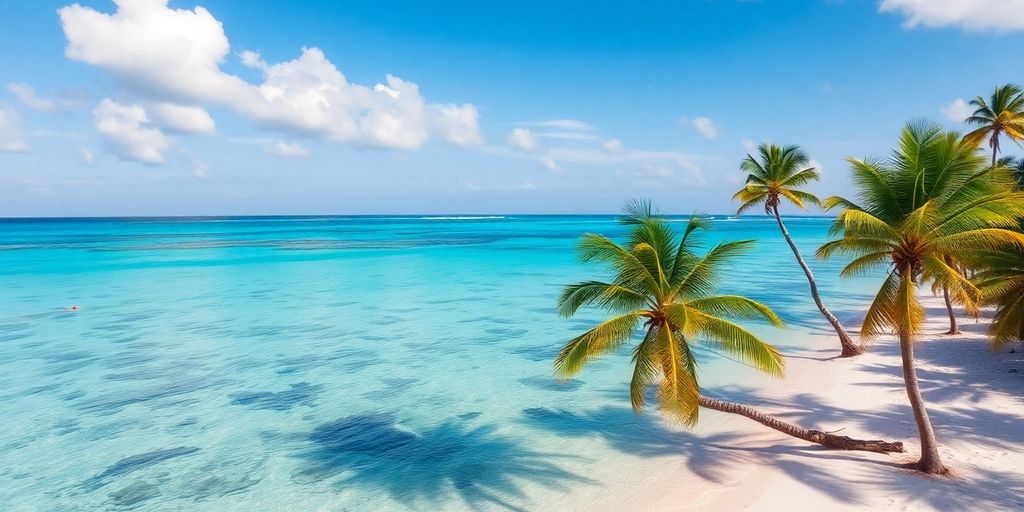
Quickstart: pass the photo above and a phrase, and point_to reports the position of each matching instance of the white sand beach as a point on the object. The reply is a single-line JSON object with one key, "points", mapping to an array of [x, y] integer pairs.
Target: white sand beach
{"points": [[974, 399]]}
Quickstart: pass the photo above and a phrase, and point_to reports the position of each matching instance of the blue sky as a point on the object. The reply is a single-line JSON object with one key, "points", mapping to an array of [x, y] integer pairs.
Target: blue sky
{"points": [[215, 107]]}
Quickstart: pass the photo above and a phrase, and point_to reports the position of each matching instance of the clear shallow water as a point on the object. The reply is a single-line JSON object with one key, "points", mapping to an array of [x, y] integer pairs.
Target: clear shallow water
{"points": [[353, 363]]}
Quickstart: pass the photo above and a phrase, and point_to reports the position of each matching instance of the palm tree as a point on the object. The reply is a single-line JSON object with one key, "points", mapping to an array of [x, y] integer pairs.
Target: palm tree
{"points": [[662, 285], [774, 177], [1002, 284], [935, 199], [1002, 114]]}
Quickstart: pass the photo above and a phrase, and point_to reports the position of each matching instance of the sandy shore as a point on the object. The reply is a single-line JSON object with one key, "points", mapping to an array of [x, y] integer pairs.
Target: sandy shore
{"points": [[976, 401]]}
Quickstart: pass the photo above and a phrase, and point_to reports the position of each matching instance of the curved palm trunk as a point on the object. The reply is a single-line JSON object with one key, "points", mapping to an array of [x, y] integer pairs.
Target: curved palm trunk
{"points": [[814, 436], [949, 309], [849, 347], [930, 461]]}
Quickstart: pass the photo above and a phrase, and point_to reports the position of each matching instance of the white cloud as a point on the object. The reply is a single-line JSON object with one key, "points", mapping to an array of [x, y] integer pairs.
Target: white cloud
{"points": [[85, 156], [974, 15], [562, 124], [705, 127], [129, 134], [550, 164], [282, 148], [11, 140], [614, 146], [957, 110], [64, 99], [182, 119], [27, 96], [522, 139], [458, 125], [175, 55], [748, 145], [526, 185]]}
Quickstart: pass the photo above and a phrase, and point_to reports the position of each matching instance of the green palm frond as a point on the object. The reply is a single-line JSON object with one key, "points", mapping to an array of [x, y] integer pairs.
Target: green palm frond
{"points": [[679, 391], [728, 337], [882, 316], [735, 307], [605, 295], [776, 173], [606, 337], [703, 276], [930, 209]]}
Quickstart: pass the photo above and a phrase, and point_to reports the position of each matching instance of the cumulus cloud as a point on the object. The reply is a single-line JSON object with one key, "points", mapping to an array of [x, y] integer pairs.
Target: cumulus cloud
{"points": [[129, 134], [705, 127], [522, 139], [11, 139], [974, 15], [175, 56], [282, 148], [181, 119], [957, 110]]}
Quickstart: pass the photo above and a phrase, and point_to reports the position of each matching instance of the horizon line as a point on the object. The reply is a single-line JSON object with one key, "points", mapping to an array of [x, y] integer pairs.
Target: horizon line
{"points": [[412, 216]]}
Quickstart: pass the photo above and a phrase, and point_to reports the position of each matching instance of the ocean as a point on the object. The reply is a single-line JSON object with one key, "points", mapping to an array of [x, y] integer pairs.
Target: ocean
{"points": [[338, 363]]}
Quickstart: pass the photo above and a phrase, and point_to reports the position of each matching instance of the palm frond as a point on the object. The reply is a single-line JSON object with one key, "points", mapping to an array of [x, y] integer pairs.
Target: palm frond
{"points": [[606, 337]]}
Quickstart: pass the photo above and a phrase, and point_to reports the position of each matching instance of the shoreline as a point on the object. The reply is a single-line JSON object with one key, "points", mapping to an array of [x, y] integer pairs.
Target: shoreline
{"points": [[978, 429]]}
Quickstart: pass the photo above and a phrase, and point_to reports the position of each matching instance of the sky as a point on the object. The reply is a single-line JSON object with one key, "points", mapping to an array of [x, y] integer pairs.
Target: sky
{"points": [[215, 107]]}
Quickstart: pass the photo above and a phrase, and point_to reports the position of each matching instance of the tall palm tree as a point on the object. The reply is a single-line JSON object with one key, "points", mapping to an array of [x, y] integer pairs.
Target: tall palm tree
{"points": [[1002, 114], [663, 287], [770, 179], [935, 199]]}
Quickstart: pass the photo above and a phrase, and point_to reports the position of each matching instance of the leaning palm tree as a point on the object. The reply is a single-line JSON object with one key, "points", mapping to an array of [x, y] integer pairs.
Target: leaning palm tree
{"points": [[1002, 114], [660, 284], [934, 200], [772, 178]]}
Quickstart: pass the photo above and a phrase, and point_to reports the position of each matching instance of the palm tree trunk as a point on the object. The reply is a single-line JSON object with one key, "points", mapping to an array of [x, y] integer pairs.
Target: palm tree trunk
{"points": [[949, 309], [849, 347], [814, 436], [930, 461]]}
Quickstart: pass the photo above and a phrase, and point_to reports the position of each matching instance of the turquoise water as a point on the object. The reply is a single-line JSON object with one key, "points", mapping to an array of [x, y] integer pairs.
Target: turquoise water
{"points": [[334, 363]]}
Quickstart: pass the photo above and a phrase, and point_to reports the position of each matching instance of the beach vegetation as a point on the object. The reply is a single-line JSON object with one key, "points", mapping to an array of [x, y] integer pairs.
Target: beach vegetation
{"points": [[934, 200]]}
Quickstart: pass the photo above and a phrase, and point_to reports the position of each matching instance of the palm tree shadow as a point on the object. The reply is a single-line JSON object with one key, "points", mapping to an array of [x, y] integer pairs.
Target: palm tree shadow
{"points": [[715, 457], [428, 467]]}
